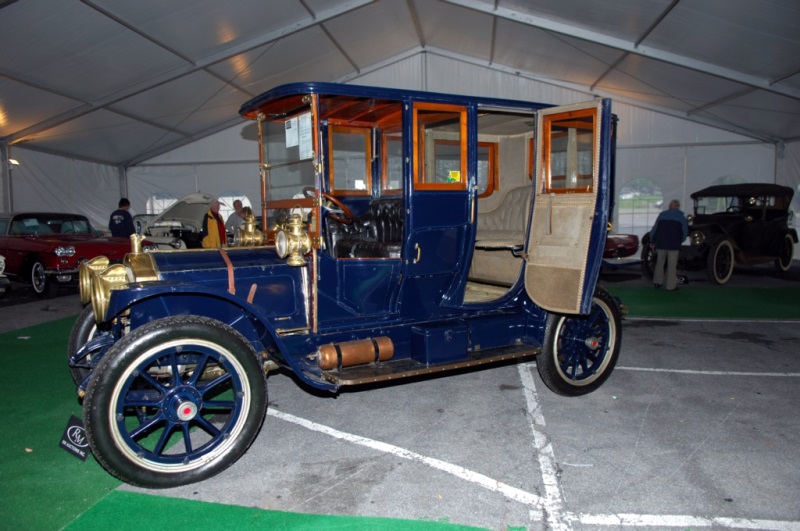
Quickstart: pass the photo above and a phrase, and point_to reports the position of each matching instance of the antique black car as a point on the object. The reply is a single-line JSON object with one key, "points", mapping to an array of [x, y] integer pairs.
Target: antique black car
{"points": [[735, 224], [379, 269]]}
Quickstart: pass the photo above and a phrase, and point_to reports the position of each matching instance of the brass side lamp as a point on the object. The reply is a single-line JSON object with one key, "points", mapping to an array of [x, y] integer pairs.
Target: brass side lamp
{"points": [[292, 240]]}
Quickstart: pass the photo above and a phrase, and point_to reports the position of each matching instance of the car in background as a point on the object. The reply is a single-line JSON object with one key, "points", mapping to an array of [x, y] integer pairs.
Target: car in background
{"points": [[44, 249], [177, 227], [744, 224], [143, 219], [5, 284], [620, 245]]}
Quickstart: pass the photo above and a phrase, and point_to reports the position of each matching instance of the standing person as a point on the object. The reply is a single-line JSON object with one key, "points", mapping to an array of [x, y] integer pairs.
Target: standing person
{"points": [[121, 222], [236, 219], [666, 237], [213, 232]]}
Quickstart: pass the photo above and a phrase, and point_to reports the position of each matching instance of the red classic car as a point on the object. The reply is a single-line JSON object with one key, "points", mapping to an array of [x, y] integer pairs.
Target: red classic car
{"points": [[620, 245], [45, 249]]}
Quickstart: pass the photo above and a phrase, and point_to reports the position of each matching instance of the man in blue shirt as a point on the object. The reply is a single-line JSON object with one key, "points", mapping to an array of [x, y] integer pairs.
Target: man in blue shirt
{"points": [[121, 222], [666, 236]]}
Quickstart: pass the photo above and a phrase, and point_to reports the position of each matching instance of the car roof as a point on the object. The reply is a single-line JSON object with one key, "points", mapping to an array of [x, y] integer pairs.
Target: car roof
{"points": [[289, 99], [744, 189]]}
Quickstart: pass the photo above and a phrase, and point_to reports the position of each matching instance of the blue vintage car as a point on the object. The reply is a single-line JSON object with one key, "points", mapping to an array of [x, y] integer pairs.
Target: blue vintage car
{"points": [[403, 234]]}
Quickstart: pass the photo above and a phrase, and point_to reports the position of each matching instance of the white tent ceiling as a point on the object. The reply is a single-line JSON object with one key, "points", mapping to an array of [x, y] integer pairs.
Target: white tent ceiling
{"points": [[119, 82]]}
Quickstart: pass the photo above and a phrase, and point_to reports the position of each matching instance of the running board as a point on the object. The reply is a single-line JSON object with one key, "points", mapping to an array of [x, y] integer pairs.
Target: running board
{"points": [[407, 367]]}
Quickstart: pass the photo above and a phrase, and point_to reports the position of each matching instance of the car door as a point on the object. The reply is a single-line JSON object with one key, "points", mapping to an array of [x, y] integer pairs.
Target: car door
{"points": [[439, 206], [570, 214]]}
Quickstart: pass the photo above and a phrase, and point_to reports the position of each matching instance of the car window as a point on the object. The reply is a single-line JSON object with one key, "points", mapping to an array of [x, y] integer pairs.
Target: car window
{"points": [[350, 160], [570, 152], [488, 174], [440, 141], [3, 226], [75, 226], [716, 205], [27, 225], [392, 160]]}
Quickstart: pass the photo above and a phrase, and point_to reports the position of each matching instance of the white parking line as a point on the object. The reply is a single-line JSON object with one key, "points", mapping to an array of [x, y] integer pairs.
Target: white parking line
{"points": [[694, 320], [713, 373], [683, 521], [553, 499], [494, 485]]}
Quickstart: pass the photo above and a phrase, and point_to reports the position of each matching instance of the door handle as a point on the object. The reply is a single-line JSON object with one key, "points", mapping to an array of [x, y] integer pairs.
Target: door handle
{"points": [[419, 253]]}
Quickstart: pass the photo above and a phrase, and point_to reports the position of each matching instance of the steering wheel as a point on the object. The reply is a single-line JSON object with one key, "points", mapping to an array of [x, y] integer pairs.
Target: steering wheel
{"points": [[341, 213]]}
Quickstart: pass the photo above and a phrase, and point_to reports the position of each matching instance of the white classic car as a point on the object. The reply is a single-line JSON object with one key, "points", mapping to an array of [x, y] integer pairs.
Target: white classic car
{"points": [[5, 285], [178, 227]]}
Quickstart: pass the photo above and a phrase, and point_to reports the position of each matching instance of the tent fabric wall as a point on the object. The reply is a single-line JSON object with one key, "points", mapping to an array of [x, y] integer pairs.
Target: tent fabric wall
{"points": [[789, 171], [180, 180], [219, 163], [51, 183]]}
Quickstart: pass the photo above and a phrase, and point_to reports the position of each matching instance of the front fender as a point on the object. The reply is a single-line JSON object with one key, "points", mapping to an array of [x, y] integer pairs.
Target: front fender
{"points": [[263, 328]]}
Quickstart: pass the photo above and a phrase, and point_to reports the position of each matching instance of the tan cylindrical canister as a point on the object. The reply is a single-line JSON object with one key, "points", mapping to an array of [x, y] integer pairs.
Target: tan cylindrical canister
{"points": [[360, 352]]}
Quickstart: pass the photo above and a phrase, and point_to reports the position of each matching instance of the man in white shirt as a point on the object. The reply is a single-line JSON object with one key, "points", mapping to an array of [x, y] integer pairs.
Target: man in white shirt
{"points": [[236, 219]]}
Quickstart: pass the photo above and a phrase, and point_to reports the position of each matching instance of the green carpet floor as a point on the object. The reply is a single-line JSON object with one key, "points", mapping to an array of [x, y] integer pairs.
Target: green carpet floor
{"points": [[710, 302]]}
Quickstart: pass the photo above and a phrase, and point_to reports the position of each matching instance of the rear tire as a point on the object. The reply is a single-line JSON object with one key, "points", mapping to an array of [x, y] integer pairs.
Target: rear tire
{"points": [[784, 261], [720, 261], [580, 351]]}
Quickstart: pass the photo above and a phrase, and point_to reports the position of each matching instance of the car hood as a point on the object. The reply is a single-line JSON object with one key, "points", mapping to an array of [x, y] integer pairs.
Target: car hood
{"points": [[189, 208], [86, 245], [77, 240]]}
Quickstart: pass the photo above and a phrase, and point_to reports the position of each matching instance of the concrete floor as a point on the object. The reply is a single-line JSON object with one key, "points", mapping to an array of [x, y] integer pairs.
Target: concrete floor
{"points": [[696, 428]]}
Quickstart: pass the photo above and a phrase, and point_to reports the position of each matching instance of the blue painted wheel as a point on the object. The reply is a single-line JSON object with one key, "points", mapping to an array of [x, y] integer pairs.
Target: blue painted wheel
{"points": [[580, 351], [174, 402]]}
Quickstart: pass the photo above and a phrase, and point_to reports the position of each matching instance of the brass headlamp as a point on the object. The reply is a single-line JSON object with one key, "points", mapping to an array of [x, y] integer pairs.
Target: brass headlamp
{"points": [[249, 235], [102, 284], [85, 272], [292, 240], [98, 278]]}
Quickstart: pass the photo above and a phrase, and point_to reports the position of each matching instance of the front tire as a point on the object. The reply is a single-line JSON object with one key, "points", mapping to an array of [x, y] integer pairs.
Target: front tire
{"points": [[784, 261], [44, 287], [580, 351], [176, 401], [83, 330], [720, 261]]}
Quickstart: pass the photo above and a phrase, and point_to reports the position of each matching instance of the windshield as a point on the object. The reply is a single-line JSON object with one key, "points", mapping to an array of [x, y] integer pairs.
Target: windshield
{"points": [[50, 224], [288, 156], [716, 205]]}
